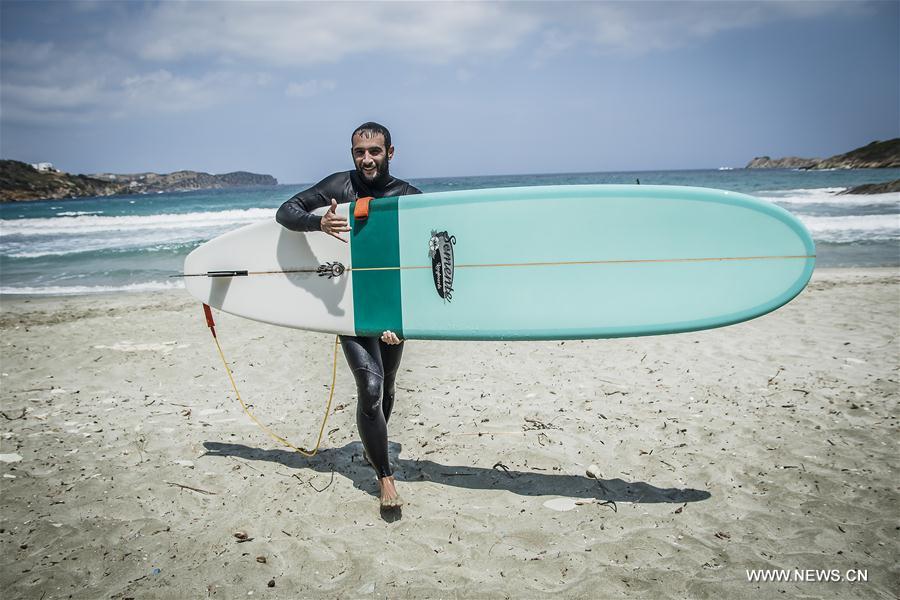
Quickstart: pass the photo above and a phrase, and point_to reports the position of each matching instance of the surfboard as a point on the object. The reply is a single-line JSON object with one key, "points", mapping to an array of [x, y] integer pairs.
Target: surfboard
{"points": [[527, 263]]}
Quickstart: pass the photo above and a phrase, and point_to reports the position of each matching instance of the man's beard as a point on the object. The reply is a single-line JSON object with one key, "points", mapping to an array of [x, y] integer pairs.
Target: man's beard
{"points": [[381, 173]]}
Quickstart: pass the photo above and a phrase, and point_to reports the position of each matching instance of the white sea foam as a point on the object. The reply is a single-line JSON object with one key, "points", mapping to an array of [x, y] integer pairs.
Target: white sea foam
{"points": [[61, 290], [149, 242], [854, 228], [79, 213], [85, 224], [60, 236], [830, 196]]}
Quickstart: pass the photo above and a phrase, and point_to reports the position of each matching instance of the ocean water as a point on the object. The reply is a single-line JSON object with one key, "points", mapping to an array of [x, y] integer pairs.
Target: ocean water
{"points": [[135, 243]]}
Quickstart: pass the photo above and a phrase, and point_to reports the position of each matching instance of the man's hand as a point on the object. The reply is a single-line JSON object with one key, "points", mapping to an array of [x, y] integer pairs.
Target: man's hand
{"points": [[332, 224], [389, 337]]}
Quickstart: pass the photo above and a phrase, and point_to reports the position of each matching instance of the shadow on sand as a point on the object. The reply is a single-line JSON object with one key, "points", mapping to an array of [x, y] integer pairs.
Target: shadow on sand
{"points": [[348, 462]]}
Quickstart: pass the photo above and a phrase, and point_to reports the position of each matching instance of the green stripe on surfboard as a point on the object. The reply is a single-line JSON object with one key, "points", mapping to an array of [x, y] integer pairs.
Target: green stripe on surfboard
{"points": [[375, 244]]}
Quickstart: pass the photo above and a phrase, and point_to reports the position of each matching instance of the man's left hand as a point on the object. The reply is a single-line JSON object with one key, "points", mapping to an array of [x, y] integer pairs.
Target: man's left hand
{"points": [[389, 337]]}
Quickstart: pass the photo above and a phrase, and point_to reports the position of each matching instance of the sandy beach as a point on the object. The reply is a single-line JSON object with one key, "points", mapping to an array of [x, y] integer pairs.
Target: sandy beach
{"points": [[128, 465]]}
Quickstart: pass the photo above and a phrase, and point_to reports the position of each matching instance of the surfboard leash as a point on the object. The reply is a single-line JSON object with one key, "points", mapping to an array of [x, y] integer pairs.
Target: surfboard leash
{"points": [[207, 311]]}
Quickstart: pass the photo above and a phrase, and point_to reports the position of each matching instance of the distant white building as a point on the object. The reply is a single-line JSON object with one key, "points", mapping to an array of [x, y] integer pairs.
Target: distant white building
{"points": [[43, 167]]}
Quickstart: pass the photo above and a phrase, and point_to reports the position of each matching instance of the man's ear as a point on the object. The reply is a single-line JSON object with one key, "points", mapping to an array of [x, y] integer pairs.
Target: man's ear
{"points": [[391, 153]]}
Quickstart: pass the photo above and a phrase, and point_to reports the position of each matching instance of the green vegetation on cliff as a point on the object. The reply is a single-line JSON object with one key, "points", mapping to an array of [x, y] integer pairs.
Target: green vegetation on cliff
{"points": [[21, 181]]}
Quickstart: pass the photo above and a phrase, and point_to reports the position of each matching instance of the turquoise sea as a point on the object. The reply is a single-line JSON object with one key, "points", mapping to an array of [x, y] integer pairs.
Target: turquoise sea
{"points": [[135, 243]]}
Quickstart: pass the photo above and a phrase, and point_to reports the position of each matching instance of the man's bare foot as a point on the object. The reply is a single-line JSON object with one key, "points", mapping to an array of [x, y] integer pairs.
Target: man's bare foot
{"points": [[389, 496]]}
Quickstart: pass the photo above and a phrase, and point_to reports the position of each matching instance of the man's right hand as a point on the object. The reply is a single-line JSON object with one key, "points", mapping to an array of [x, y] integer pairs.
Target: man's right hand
{"points": [[332, 224]]}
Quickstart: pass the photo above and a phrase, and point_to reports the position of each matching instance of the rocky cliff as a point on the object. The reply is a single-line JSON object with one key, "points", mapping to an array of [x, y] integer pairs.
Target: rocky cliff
{"points": [[180, 181], [875, 188], [877, 155], [20, 181], [789, 162]]}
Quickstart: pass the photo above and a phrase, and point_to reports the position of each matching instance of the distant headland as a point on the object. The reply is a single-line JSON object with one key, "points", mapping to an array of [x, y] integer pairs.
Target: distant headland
{"points": [[877, 155], [21, 181]]}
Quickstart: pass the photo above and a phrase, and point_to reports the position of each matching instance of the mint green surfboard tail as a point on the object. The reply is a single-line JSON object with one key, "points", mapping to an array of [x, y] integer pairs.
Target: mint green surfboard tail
{"points": [[572, 262]]}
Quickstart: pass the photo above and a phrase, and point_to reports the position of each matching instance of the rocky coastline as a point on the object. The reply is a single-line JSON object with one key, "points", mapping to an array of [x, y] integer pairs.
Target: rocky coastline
{"points": [[20, 181], [876, 155], [875, 188]]}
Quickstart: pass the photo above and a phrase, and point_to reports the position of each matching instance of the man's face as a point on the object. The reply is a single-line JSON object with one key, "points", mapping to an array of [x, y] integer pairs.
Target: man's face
{"points": [[370, 156]]}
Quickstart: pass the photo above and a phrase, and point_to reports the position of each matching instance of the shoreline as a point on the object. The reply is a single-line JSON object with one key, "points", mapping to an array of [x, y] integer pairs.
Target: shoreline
{"points": [[128, 465]]}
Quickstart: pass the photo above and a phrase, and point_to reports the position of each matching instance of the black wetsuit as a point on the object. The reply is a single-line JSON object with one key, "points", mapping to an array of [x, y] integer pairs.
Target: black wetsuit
{"points": [[374, 364]]}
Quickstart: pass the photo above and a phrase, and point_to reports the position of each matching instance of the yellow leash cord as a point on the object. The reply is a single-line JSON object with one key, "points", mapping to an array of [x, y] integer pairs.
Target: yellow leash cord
{"points": [[309, 453]]}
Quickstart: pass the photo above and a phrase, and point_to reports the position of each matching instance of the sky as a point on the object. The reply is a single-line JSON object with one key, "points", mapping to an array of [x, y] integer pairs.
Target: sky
{"points": [[466, 88]]}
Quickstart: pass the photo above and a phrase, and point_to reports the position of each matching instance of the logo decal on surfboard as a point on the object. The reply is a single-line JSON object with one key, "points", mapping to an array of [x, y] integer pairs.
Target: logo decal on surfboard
{"points": [[440, 248], [331, 270]]}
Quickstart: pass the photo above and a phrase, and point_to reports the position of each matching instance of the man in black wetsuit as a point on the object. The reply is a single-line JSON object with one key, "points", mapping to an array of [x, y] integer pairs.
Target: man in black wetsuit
{"points": [[373, 361]]}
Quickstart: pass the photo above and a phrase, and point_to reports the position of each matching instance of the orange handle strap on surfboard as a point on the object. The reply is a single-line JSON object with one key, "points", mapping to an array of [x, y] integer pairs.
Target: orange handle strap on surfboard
{"points": [[207, 311], [361, 211]]}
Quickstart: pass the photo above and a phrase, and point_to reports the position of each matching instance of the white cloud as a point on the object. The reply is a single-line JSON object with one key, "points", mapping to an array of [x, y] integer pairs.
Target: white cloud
{"points": [[161, 91], [25, 53], [313, 33], [553, 43], [183, 56], [47, 103], [83, 87], [307, 33], [642, 27], [309, 88]]}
